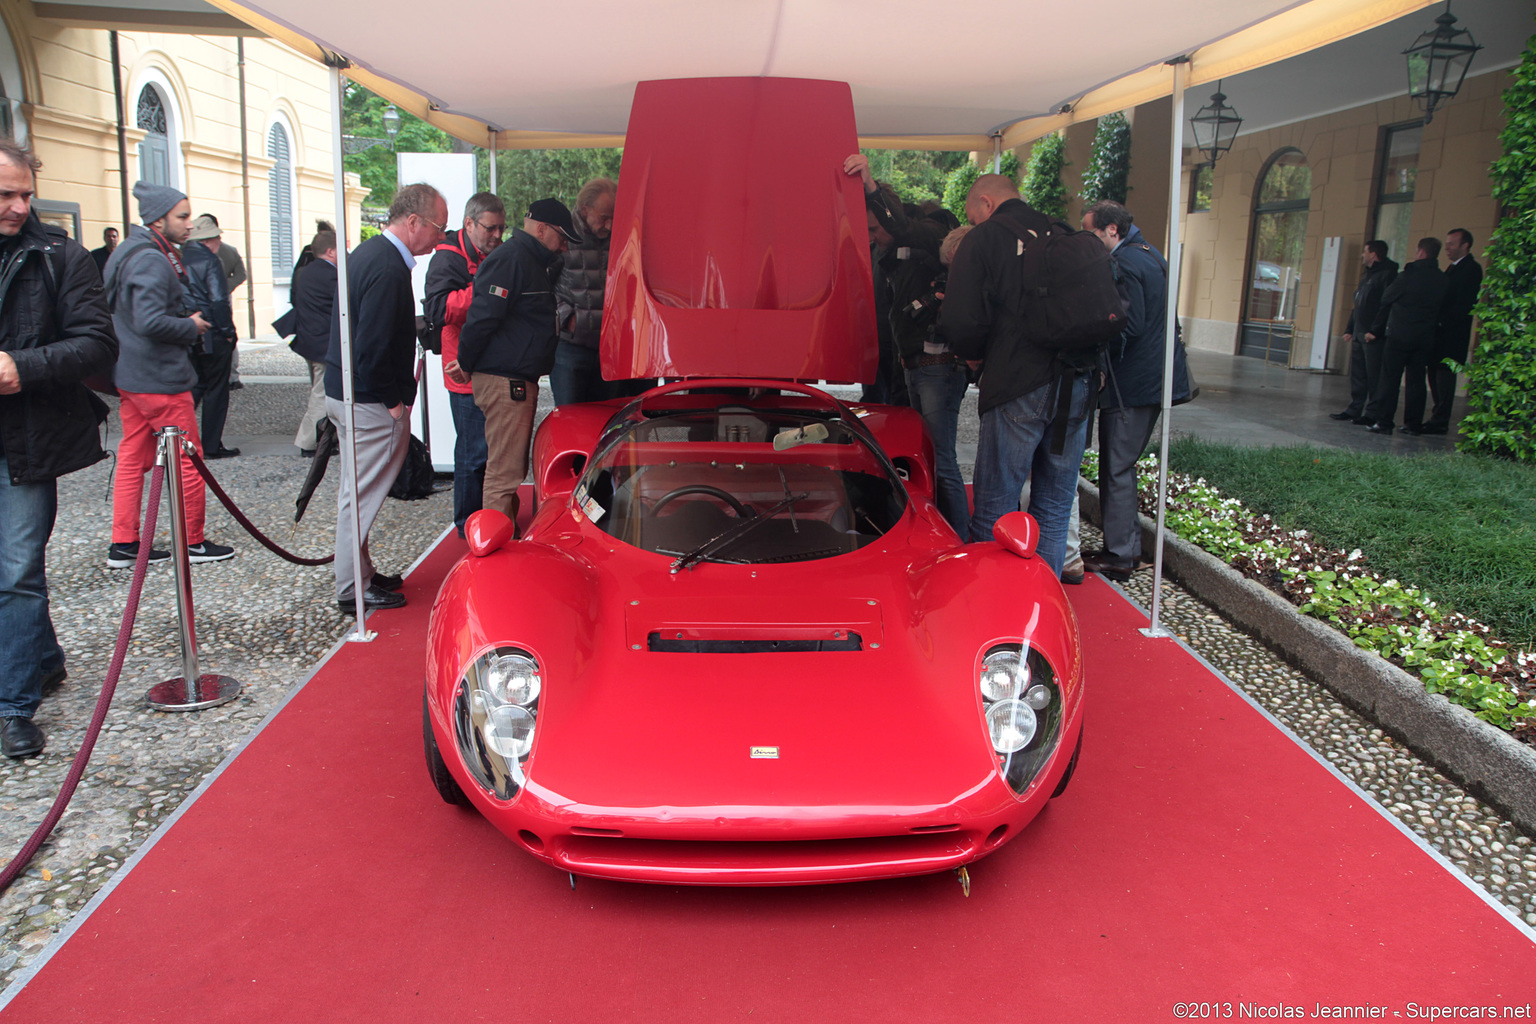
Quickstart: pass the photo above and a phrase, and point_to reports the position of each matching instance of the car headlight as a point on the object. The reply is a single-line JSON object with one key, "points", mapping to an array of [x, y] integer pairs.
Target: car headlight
{"points": [[1023, 709], [495, 714]]}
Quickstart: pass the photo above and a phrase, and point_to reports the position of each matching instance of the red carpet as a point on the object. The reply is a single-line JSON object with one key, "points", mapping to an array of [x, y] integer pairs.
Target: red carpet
{"points": [[1198, 856]]}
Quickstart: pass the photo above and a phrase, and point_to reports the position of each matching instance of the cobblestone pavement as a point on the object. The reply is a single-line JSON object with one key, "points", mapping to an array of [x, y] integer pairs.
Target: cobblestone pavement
{"points": [[266, 622]]}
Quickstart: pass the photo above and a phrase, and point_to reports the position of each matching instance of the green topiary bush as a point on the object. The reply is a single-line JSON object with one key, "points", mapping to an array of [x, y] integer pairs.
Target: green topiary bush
{"points": [[1109, 166], [1042, 187], [1501, 380]]}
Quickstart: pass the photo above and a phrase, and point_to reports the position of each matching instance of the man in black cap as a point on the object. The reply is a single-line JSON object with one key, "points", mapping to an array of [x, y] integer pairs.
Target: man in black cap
{"points": [[508, 343]]}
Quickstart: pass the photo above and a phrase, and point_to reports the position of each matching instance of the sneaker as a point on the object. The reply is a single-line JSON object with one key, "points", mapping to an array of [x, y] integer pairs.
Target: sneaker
{"points": [[1072, 574], [208, 551], [123, 556]]}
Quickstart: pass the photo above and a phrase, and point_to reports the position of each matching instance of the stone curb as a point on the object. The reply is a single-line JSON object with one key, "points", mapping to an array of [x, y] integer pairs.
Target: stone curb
{"points": [[1483, 759]]}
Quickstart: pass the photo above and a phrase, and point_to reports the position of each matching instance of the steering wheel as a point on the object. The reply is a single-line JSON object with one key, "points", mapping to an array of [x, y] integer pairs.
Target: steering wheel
{"points": [[742, 512]]}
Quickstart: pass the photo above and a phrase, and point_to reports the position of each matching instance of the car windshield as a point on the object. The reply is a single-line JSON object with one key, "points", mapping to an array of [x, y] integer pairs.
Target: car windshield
{"points": [[745, 484]]}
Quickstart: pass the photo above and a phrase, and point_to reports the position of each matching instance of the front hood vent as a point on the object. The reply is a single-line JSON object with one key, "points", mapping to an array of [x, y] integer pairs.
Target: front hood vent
{"points": [[684, 643]]}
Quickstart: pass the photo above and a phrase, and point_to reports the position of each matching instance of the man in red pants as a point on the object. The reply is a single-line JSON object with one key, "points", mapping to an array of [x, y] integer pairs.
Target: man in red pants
{"points": [[154, 373]]}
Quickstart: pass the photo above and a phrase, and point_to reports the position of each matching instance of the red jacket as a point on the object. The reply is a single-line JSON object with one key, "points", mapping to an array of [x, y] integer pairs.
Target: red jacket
{"points": [[450, 285]]}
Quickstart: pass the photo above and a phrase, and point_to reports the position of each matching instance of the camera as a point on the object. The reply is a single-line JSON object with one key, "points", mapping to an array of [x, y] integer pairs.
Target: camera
{"points": [[924, 309]]}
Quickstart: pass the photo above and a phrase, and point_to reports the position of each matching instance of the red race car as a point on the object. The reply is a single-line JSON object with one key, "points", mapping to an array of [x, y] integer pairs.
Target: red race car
{"points": [[738, 645]]}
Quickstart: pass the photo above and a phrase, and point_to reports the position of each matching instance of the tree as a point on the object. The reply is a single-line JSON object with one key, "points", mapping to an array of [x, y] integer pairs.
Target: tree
{"points": [[917, 175], [959, 181], [523, 175], [1042, 187], [1501, 381], [362, 115], [1109, 165]]}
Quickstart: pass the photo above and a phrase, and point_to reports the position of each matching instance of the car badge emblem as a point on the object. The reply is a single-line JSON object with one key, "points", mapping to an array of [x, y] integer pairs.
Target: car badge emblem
{"points": [[771, 753]]}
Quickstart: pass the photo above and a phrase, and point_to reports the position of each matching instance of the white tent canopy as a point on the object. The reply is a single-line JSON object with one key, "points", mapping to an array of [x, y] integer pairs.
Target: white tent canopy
{"points": [[523, 75]]}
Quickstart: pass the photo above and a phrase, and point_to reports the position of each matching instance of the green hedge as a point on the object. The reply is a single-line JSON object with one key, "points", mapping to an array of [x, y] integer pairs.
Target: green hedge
{"points": [[1501, 381]]}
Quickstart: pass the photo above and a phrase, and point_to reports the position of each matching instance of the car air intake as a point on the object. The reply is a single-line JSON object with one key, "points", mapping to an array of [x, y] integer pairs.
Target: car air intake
{"points": [[678, 644]]}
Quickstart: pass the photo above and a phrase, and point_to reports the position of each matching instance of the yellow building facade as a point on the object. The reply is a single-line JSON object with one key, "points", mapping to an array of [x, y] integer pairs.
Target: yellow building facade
{"points": [[182, 126]]}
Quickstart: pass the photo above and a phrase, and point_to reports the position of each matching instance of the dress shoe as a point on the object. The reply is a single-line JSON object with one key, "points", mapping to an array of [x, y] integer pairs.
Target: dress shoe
{"points": [[1411, 431], [1363, 421], [1072, 574], [222, 453], [1437, 429], [1109, 570], [1341, 416], [20, 738], [384, 581], [1380, 428], [373, 598], [306, 453]]}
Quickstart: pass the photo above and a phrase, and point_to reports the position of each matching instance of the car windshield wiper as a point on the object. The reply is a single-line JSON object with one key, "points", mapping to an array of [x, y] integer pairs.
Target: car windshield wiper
{"points": [[732, 533]]}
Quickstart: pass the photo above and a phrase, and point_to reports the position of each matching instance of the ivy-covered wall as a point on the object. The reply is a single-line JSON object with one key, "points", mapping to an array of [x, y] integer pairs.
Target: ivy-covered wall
{"points": [[1501, 381]]}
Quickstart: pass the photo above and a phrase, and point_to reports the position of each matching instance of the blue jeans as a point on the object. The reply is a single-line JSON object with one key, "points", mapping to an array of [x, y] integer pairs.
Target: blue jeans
{"points": [[468, 457], [577, 376], [1014, 447], [28, 648], [936, 392]]}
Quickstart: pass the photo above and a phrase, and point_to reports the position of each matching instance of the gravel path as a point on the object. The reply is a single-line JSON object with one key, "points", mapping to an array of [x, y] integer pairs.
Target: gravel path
{"points": [[266, 622]]}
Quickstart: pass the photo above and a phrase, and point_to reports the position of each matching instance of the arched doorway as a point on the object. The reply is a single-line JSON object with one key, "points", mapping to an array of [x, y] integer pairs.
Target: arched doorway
{"points": [[155, 150], [1280, 205], [280, 205]]}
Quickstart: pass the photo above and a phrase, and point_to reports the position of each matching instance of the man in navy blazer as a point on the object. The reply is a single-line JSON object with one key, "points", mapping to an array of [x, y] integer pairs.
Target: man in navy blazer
{"points": [[382, 312], [1453, 335]]}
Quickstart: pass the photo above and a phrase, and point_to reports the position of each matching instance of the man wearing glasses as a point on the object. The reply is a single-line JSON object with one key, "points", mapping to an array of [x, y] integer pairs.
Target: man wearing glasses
{"points": [[449, 288], [508, 343], [382, 312]]}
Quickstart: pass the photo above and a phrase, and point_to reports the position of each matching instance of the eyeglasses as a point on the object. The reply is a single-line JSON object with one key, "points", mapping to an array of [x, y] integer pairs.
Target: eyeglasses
{"points": [[442, 229], [492, 229]]}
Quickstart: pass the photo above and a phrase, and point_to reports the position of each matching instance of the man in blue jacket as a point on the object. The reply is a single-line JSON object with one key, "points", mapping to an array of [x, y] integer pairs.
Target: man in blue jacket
{"points": [[54, 330], [208, 292], [1132, 397], [382, 312], [508, 343]]}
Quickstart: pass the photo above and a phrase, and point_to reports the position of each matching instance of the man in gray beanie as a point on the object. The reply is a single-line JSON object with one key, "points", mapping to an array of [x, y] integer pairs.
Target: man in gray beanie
{"points": [[145, 280]]}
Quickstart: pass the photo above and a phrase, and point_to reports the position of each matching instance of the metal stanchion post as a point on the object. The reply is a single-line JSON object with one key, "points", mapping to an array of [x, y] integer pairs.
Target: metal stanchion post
{"points": [[191, 691]]}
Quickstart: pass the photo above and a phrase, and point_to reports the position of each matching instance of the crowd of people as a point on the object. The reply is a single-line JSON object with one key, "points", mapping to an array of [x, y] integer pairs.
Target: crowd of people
{"points": [[1411, 324], [150, 317]]}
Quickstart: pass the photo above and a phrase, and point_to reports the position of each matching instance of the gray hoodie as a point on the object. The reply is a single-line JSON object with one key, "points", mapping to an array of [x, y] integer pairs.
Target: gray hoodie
{"points": [[153, 329]]}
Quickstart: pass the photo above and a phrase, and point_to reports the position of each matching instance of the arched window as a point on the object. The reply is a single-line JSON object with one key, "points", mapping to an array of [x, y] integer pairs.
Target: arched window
{"points": [[7, 122], [155, 150], [280, 203], [1280, 205]]}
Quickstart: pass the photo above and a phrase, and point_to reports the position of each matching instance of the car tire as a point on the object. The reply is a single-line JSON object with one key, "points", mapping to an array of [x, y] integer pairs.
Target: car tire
{"points": [[442, 780], [1066, 776]]}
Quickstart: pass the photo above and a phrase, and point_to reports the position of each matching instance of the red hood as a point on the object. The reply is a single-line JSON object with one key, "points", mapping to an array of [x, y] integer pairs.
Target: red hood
{"points": [[740, 247]]}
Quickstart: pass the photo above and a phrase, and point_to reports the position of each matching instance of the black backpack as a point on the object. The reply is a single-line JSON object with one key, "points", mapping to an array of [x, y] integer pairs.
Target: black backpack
{"points": [[1071, 304]]}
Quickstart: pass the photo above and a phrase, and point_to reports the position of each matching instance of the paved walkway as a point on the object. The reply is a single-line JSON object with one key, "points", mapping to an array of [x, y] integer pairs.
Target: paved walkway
{"points": [[267, 623]]}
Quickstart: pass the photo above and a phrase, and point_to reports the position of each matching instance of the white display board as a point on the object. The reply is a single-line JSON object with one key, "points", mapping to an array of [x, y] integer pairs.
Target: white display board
{"points": [[1327, 290], [452, 174]]}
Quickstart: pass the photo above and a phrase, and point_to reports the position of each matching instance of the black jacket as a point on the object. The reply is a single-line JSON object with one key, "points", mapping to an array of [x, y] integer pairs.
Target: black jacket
{"points": [[314, 306], [208, 293], [1410, 307], [383, 315], [982, 316], [579, 292], [911, 265], [1463, 282], [58, 331], [1136, 373], [1373, 283], [510, 329]]}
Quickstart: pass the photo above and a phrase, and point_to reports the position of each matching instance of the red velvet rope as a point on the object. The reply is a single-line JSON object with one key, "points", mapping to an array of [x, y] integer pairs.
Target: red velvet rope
{"points": [[19, 862], [250, 528]]}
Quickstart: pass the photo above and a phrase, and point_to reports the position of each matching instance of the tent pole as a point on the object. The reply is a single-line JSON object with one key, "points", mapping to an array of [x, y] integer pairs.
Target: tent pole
{"points": [[997, 152], [1170, 326], [344, 309], [493, 162]]}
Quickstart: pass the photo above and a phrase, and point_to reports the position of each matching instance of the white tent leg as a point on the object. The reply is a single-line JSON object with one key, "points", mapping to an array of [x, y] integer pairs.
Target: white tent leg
{"points": [[348, 450], [1170, 323], [997, 152], [493, 162]]}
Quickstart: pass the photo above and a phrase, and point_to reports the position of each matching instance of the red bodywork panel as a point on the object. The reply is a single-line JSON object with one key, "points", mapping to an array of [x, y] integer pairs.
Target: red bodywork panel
{"points": [[740, 247]]}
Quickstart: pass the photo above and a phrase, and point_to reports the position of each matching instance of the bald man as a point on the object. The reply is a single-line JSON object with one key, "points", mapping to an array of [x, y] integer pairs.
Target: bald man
{"points": [[1023, 406]]}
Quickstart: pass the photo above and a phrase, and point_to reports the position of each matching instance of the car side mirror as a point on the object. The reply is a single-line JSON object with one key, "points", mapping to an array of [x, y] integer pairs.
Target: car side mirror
{"points": [[1018, 532], [486, 531]]}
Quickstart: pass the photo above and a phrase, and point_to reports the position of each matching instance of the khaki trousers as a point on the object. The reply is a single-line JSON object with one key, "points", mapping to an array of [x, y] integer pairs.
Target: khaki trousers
{"points": [[508, 429]]}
